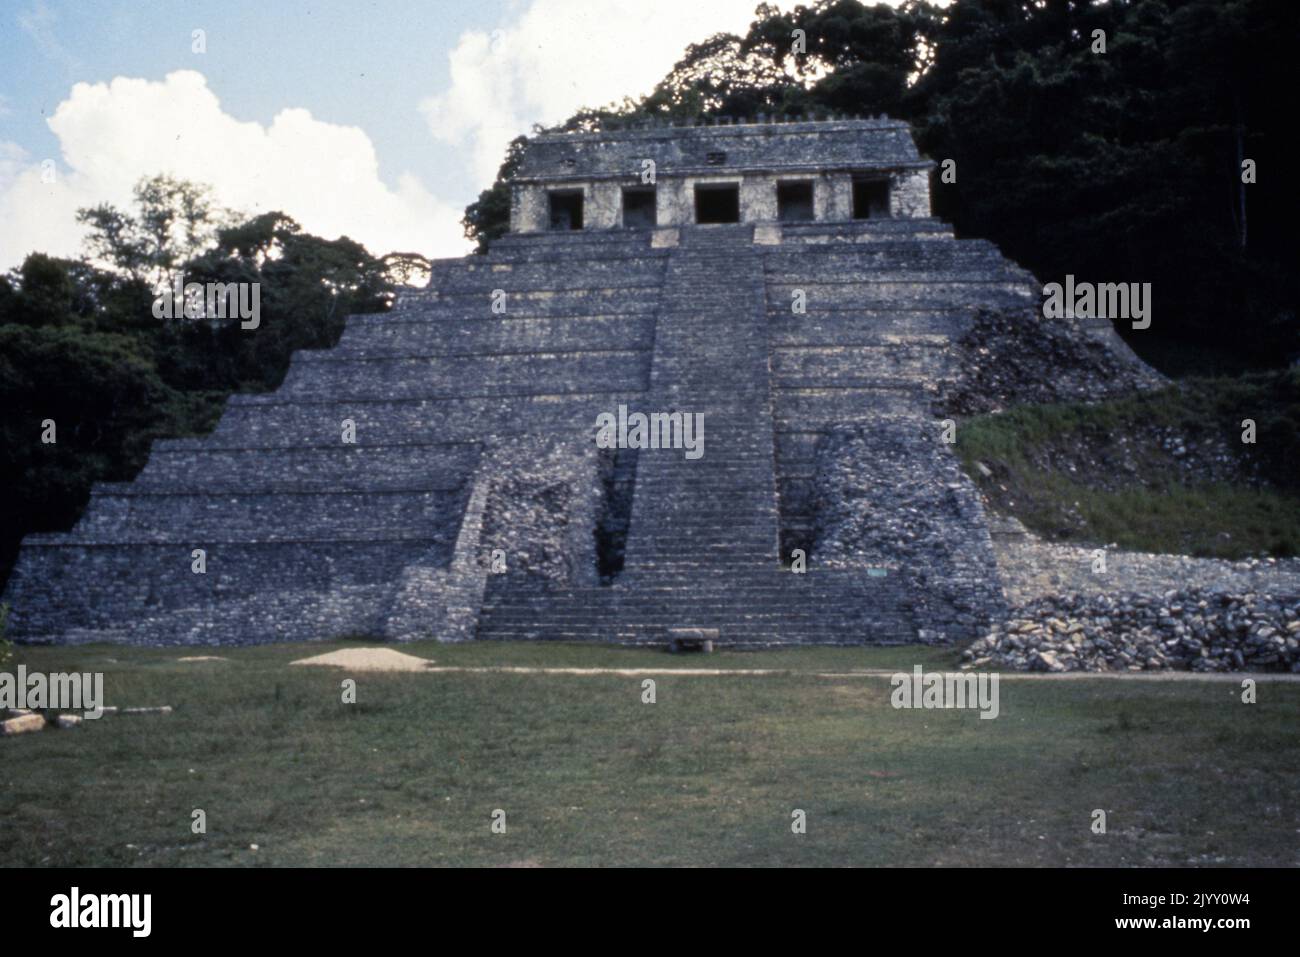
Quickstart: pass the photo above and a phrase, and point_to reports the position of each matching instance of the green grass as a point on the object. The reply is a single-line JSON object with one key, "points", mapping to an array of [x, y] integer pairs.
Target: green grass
{"points": [[587, 774], [1098, 473], [1218, 521]]}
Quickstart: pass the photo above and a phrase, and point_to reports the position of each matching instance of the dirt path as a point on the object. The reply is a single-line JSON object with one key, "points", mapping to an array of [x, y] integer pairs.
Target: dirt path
{"points": [[389, 660], [1232, 676]]}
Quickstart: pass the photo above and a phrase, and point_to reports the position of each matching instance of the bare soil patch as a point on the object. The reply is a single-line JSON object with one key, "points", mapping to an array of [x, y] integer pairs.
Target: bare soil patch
{"points": [[368, 659]]}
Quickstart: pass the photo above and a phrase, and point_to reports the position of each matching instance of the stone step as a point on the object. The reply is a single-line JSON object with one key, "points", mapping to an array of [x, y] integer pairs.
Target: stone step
{"points": [[773, 613], [912, 295], [808, 271], [58, 589], [887, 246], [419, 514], [640, 299], [267, 422], [498, 336], [865, 231], [562, 257], [572, 238], [197, 467], [344, 377], [532, 281]]}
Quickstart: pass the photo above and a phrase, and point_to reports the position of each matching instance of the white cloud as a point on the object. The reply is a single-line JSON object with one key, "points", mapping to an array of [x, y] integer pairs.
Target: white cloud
{"points": [[553, 57], [12, 160], [561, 55], [110, 135]]}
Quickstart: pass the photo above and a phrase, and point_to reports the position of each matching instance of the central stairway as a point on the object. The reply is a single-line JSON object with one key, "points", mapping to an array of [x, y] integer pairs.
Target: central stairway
{"points": [[714, 515]]}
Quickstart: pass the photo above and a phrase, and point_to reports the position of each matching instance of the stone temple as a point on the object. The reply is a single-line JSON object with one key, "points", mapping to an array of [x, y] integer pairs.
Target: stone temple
{"points": [[437, 475]]}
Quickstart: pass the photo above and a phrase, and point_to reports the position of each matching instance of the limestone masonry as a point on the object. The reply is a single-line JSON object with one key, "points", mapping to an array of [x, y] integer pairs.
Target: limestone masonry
{"points": [[783, 279]]}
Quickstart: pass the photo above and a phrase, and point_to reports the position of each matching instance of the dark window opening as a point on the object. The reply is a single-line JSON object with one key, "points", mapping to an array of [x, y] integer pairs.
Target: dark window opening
{"points": [[566, 210], [794, 202], [717, 204], [870, 199], [715, 159], [638, 208]]}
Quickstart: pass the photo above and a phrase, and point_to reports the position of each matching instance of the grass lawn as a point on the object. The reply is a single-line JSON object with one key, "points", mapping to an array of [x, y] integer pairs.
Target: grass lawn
{"points": [[588, 774]]}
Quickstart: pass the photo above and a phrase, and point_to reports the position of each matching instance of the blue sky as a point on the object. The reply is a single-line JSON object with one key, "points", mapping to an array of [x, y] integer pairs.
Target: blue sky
{"points": [[377, 119], [365, 64]]}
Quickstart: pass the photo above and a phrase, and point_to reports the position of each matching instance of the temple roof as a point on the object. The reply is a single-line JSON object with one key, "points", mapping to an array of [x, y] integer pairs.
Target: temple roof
{"points": [[739, 147]]}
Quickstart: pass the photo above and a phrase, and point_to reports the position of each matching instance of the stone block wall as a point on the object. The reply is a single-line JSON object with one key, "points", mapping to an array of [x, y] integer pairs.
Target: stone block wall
{"points": [[529, 211]]}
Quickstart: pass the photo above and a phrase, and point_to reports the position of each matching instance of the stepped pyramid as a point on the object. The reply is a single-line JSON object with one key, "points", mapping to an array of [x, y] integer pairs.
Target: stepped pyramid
{"points": [[784, 280]]}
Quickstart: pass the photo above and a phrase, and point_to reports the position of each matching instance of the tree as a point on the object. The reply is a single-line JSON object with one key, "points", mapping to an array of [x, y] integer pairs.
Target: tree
{"points": [[404, 269], [173, 221], [106, 402], [45, 291], [488, 217]]}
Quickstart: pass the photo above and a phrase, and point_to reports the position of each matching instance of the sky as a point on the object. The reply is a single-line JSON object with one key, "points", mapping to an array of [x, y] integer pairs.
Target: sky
{"points": [[378, 120]]}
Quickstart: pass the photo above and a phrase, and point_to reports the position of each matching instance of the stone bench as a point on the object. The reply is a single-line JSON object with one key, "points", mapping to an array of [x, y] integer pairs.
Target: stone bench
{"points": [[691, 639]]}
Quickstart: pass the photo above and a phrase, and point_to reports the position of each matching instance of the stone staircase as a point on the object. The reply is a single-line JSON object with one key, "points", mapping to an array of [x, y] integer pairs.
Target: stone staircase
{"points": [[711, 357]]}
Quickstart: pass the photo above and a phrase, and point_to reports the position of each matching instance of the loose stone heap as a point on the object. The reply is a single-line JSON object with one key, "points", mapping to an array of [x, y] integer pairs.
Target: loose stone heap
{"points": [[1194, 629], [1012, 356], [929, 534]]}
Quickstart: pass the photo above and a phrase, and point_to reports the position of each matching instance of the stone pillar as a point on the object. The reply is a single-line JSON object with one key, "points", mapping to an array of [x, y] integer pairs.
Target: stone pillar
{"points": [[602, 205], [838, 188], [909, 194], [528, 208], [673, 202], [758, 199]]}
